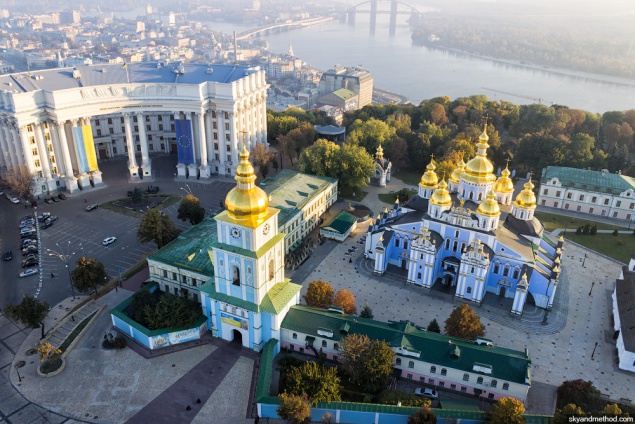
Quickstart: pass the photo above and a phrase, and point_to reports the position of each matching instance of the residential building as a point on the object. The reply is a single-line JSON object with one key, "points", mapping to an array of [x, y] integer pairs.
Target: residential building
{"points": [[354, 79]]}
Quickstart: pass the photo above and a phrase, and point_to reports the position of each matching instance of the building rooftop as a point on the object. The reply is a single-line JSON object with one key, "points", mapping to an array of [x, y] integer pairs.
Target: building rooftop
{"points": [[625, 296], [505, 364], [344, 93], [584, 179], [133, 73], [341, 223], [290, 190]]}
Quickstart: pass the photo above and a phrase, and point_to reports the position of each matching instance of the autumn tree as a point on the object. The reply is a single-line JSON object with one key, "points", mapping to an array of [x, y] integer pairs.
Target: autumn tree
{"points": [[20, 180], [319, 294], [579, 392], [612, 409], [30, 312], [433, 327], [260, 156], [191, 210], [507, 411], [464, 323], [296, 409], [286, 147], [157, 228], [367, 312], [89, 274], [367, 362], [346, 300], [423, 416], [562, 415], [319, 382]]}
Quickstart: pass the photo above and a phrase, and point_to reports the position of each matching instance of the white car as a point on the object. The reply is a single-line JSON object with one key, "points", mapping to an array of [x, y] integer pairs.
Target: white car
{"points": [[109, 240], [426, 393], [28, 272], [15, 200]]}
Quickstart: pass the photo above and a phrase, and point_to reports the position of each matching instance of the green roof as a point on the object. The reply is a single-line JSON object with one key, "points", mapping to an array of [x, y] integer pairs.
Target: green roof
{"points": [[191, 250], [344, 93], [290, 190], [341, 223], [266, 369], [276, 299], [585, 179], [507, 364]]}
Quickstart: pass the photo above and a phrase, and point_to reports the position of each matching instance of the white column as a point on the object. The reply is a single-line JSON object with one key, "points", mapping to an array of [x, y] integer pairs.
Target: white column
{"points": [[7, 146], [133, 168], [83, 180], [210, 139], [192, 168], [553, 293], [235, 139], [146, 166], [69, 178], [222, 142], [262, 112], [181, 168], [204, 168], [27, 148], [42, 150]]}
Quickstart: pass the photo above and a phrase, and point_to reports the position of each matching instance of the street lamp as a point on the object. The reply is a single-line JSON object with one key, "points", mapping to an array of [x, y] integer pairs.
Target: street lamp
{"points": [[188, 190], [584, 260], [592, 284], [65, 257], [594, 347]]}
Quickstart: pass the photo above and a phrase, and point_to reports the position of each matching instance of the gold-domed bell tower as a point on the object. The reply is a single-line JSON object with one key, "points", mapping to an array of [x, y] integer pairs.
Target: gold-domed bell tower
{"points": [[525, 203], [440, 200], [478, 176], [504, 187], [489, 212], [429, 181]]}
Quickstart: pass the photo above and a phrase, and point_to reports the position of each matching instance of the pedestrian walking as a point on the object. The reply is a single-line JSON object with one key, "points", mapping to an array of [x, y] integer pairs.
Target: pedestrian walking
{"points": [[116, 288], [73, 318], [52, 275], [350, 260], [85, 201]]}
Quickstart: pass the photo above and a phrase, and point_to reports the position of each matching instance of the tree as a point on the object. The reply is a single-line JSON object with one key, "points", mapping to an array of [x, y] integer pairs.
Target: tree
{"points": [[507, 411], [367, 362], [47, 351], [320, 383], [433, 327], [319, 294], [346, 300], [136, 195], [562, 415], [294, 408], [20, 180], [286, 147], [30, 312], [157, 228], [89, 274], [464, 323], [260, 156], [191, 210], [370, 133], [367, 312], [579, 392], [353, 166], [612, 409], [423, 416], [320, 158]]}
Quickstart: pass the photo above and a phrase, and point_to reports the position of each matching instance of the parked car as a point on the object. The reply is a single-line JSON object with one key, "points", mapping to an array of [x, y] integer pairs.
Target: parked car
{"points": [[27, 224], [152, 189], [1, 192], [47, 224], [55, 199], [426, 393], [29, 262], [109, 240], [28, 273], [51, 218], [43, 216], [29, 249], [14, 200], [8, 255], [29, 231], [48, 200], [61, 196], [27, 243], [92, 207]]}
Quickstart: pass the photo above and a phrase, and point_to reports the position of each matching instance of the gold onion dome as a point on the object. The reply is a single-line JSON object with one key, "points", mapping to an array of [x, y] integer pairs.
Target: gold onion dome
{"points": [[441, 196], [246, 201], [380, 152], [504, 184], [489, 206], [480, 170], [430, 178], [526, 198], [456, 174]]}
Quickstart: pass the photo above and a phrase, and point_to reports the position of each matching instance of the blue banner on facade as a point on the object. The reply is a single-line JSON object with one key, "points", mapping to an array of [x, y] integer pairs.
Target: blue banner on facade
{"points": [[185, 148], [78, 136]]}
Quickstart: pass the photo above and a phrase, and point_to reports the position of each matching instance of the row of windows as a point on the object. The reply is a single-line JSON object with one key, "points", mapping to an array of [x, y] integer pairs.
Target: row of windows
{"points": [[466, 377], [591, 210], [594, 199], [325, 344], [184, 278], [506, 269]]}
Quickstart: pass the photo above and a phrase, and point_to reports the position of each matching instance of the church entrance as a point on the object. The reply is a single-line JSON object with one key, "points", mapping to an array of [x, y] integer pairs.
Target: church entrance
{"points": [[502, 291], [237, 338]]}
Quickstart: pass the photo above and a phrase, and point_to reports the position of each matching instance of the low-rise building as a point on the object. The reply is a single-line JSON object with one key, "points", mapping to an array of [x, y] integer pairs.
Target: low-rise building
{"points": [[594, 192], [624, 316]]}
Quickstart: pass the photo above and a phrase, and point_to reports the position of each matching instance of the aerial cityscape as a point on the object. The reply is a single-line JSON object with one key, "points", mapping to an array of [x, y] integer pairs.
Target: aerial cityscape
{"points": [[385, 211]]}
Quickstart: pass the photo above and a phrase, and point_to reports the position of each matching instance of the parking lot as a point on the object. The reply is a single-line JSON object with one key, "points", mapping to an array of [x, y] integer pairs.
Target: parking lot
{"points": [[81, 232]]}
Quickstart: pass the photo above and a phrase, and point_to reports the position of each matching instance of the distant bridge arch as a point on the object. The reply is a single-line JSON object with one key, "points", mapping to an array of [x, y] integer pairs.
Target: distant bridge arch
{"points": [[350, 14]]}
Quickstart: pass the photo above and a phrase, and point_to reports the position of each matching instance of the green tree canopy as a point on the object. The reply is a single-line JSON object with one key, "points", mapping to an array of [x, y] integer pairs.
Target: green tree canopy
{"points": [[191, 210], [507, 411], [581, 393], [368, 362], [354, 166], [296, 409], [562, 415], [320, 158], [89, 274], [464, 323], [157, 228], [319, 294], [367, 312], [434, 326], [30, 312], [320, 383], [369, 134]]}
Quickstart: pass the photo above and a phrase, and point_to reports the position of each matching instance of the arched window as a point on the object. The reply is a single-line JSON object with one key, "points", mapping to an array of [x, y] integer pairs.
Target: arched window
{"points": [[480, 196], [469, 290], [235, 275], [494, 383], [447, 244], [466, 377], [506, 271], [405, 244], [471, 196], [456, 234], [479, 380], [496, 268], [444, 371], [505, 386], [271, 270], [295, 336], [516, 272], [433, 370], [323, 343], [462, 247], [398, 361], [455, 245], [411, 364]]}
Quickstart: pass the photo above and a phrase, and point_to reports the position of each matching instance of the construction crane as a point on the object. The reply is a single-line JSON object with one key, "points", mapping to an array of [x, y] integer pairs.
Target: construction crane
{"points": [[538, 100]]}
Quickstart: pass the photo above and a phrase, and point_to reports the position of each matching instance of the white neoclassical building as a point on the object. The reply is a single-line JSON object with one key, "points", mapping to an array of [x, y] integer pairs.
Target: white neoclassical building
{"points": [[60, 123]]}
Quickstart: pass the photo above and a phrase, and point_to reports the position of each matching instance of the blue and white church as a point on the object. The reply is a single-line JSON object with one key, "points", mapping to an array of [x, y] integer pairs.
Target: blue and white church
{"points": [[470, 237]]}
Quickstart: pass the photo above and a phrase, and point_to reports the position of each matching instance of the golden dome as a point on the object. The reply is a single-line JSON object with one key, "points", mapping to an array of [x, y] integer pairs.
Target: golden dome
{"points": [[380, 153], [526, 199], [429, 178], [480, 170], [246, 202], [504, 184], [456, 174], [489, 206], [441, 196]]}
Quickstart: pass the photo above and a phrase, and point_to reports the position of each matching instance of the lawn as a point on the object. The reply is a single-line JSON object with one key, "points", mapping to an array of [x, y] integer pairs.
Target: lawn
{"points": [[389, 198], [347, 193], [552, 221], [408, 177], [620, 248]]}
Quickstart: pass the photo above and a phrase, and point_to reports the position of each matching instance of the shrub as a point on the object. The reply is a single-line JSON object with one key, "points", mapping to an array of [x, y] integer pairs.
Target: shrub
{"points": [[120, 342], [615, 233], [594, 230], [586, 229], [391, 397], [578, 231]]}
